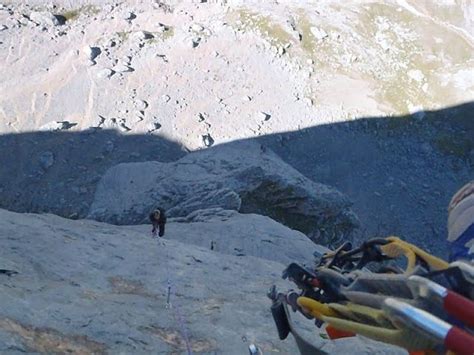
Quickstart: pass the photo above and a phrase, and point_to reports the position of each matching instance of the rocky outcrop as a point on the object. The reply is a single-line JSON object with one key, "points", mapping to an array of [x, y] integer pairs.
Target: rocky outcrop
{"points": [[240, 176], [233, 233]]}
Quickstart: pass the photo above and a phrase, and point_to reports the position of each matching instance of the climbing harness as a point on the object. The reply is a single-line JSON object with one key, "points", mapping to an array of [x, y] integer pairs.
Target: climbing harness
{"points": [[427, 306]]}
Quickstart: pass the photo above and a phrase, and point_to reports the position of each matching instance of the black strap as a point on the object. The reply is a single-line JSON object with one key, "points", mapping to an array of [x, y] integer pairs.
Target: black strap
{"points": [[282, 318]]}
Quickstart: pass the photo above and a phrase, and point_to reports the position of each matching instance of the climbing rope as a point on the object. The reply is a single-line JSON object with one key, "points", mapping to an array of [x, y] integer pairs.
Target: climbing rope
{"points": [[176, 310]]}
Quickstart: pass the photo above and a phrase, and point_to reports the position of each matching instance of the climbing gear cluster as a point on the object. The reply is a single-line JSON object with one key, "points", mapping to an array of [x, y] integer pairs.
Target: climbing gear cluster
{"points": [[387, 290]]}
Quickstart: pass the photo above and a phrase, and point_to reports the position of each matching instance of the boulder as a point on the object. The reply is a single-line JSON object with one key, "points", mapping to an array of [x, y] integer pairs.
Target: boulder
{"points": [[129, 16], [214, 178], [105, 73], [57, 126], [318, 33], [91, 52], [122, 68], [44, 18], [197, 27], [140, 104], [141, 35], [207, 140]]}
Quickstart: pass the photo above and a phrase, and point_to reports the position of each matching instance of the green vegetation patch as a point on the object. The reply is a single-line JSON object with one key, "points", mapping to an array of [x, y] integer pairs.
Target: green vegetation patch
{"points": [[308, 42], [327, 52], [264, 25], [166, 34], [161, 36], [123, 35], [401, 31], [73, 14]]}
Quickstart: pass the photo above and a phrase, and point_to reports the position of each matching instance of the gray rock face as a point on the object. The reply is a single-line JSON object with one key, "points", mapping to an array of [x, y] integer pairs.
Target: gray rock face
{"points": [[44, 18], [223, 198], [252, 235], [85, 287], [241, 176]]}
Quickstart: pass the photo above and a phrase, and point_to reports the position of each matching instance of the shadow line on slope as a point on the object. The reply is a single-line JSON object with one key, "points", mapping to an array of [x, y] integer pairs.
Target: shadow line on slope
{"points": [[400, 172]]}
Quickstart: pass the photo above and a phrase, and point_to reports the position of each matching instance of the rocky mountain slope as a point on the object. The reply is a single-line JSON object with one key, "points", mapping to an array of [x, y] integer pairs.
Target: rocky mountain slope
{"points": [[174, 77], [256, 124]]}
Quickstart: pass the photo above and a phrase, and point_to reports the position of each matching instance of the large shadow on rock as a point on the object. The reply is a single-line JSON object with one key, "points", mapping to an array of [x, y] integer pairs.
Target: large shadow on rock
{"points": [[400, 172], [57, 172]]}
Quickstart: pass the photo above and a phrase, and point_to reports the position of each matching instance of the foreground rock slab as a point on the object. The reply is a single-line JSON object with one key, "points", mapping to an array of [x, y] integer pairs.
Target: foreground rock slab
{"points": [[88, 287]]}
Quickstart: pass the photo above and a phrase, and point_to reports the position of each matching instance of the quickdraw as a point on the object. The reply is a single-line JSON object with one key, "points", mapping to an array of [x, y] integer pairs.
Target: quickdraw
{"points": [[364, 291]]}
